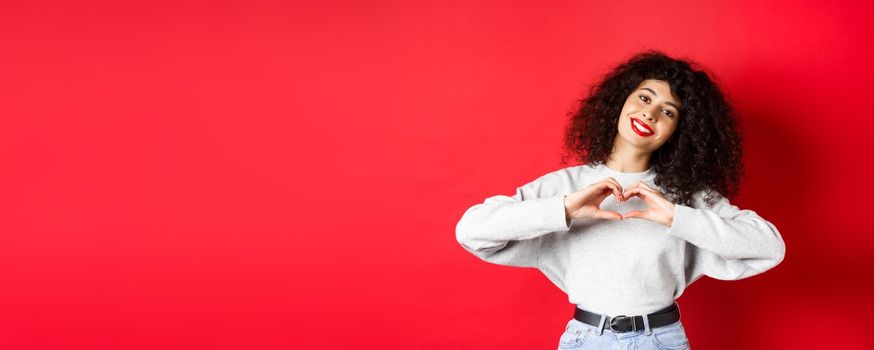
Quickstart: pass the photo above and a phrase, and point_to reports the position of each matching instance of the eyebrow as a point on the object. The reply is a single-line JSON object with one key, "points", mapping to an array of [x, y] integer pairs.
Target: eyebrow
{"points": [[657, 95]]}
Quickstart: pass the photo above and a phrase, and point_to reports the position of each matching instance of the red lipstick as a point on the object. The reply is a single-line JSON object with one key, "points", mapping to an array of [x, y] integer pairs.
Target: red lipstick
{"points": [[641, 128]]}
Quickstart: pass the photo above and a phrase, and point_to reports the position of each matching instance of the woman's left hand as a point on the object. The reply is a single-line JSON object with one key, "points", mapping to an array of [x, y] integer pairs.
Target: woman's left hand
{"points": [[661, 210]]}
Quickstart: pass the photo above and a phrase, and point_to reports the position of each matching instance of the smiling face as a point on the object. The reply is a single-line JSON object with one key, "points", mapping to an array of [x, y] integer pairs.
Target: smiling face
{"points": [[649, 116]]}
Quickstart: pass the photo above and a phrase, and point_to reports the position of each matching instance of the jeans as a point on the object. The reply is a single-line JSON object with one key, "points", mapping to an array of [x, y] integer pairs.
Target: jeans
{"points": [[579, 335]]}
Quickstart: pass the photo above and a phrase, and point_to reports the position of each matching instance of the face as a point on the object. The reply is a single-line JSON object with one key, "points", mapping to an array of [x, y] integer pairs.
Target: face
{"points": [[649, 116]]}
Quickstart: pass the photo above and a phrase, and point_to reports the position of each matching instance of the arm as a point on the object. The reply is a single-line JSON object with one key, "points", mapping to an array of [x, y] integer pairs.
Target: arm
{"points": [[729, 243], [506, 230]]}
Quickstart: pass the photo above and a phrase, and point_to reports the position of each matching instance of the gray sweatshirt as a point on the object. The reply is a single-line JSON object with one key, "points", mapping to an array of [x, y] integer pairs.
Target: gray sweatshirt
{"points": [[618, 267]]}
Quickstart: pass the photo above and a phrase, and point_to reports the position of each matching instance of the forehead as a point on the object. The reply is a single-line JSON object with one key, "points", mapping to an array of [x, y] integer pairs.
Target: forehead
{"points": [[661, 88]]}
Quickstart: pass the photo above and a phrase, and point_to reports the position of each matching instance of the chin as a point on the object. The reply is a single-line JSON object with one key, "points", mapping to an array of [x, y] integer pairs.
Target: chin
{"points": [[633, 139]]}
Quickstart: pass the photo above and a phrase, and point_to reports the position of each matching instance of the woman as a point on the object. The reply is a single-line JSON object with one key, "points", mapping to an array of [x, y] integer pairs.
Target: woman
{"points": [[645, 215]]}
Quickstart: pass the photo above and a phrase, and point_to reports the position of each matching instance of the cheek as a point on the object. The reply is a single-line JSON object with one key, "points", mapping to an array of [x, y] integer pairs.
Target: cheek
{"points": [[667, 131], [623, 122]]}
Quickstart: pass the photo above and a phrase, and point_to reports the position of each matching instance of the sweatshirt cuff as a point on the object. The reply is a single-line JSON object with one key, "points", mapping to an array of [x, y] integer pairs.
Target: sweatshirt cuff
{"points": [[566, 221], [682, 215], [556, 214]]}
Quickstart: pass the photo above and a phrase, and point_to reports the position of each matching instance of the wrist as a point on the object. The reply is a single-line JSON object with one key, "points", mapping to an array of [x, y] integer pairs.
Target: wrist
{"points": [[671, 215]]}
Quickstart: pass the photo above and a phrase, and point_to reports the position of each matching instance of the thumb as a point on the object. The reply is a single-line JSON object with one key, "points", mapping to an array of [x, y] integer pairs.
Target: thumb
{"points": [[607, 214], [635, 214]]}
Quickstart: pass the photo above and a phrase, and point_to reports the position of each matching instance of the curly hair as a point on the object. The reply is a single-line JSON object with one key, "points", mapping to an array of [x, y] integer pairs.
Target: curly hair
{"points": [[704, 152]]}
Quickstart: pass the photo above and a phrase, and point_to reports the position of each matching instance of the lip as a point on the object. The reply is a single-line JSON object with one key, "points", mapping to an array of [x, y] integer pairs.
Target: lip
{"points": [[645, 133]]}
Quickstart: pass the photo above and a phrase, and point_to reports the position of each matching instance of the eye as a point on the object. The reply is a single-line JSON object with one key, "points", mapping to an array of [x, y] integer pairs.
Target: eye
{"points": [[644, 98], [669, 113]]}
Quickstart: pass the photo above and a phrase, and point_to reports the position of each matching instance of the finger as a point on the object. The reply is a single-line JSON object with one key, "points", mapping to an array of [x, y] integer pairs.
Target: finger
{"points": [[607, 214], [614, 185], [636, 214], [654, 189], [613, 181], [653, 195], [639, 192], [633, 190], [629, 188]]}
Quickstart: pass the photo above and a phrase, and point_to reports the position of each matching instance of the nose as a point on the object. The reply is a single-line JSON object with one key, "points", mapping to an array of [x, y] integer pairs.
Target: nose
{"points": [[648, 115]]}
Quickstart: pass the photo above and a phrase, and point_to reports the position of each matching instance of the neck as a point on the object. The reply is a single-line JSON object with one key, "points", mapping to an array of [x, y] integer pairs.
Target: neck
{"points": [[628, 162]]}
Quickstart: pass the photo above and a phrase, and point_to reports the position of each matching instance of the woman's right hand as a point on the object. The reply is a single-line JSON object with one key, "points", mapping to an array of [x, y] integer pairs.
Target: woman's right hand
{"points": [[586, 203]]}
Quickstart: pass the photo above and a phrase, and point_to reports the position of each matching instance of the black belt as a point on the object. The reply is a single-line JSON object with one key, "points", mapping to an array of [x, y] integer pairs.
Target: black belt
{"points": [[661, 317]]}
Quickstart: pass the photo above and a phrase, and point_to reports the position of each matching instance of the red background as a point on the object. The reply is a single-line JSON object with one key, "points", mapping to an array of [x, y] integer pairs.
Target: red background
{"points": [[269, 175]]}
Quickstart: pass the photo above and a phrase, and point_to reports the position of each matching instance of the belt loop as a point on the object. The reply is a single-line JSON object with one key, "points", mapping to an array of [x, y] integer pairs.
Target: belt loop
{"points": [[601, 324], [646, 324]]}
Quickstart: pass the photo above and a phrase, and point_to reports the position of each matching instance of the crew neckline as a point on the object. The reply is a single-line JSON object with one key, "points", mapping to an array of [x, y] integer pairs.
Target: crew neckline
{"points": [[612, 172]]}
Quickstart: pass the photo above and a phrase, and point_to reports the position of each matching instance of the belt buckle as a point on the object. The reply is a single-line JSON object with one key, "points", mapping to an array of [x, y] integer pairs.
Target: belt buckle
{"points": [[612, 320]]}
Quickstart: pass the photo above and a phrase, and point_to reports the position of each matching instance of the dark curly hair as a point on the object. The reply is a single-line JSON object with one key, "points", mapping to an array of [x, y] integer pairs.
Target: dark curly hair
{"points": [[703, 153]]}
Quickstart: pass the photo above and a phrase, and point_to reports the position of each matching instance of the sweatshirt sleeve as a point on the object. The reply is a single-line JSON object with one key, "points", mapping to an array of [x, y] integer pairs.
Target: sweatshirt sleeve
{"points": [[727, 243], [507, 230]]}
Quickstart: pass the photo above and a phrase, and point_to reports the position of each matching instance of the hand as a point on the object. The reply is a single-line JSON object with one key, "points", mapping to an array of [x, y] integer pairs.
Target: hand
{"points": [[660, 209], [586, 203]]}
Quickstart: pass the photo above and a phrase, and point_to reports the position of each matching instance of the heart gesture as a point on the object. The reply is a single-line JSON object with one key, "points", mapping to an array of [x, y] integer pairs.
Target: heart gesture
{"points": [[586, 202], [661, 210]]}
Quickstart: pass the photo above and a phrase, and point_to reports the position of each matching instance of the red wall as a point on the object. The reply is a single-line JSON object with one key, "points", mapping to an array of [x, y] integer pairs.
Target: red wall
{"points": [[265, 175]]}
